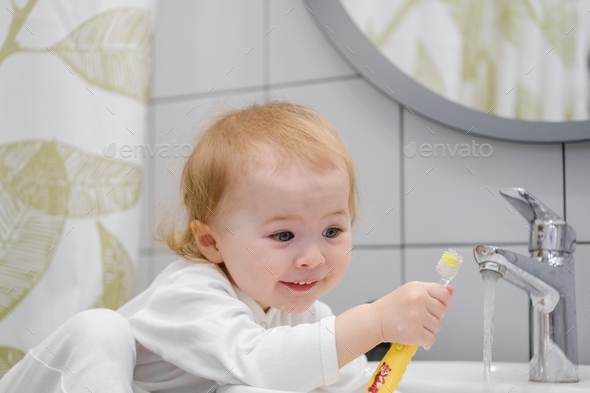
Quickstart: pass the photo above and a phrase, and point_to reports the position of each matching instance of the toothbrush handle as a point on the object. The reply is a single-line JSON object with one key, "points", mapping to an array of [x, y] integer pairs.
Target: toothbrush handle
{"points": [[391, 369]]}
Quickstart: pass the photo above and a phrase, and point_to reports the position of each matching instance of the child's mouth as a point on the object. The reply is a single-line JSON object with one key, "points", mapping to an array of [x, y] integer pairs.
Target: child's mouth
{"points": [[300, 287]]}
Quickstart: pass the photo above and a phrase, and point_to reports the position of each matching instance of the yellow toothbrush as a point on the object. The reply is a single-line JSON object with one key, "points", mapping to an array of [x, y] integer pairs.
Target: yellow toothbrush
{"points": [[393, 365]]}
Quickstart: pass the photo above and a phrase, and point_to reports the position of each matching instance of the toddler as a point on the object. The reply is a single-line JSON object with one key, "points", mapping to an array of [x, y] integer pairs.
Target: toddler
{"points": [[270, 197]]}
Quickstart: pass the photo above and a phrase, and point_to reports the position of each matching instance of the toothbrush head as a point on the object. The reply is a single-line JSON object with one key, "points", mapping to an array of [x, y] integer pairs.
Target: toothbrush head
{"points": [[449, 264]]}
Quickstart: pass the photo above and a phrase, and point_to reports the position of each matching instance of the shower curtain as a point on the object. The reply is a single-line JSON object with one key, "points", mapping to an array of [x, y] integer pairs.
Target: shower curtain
{"points": [[74, 89]]}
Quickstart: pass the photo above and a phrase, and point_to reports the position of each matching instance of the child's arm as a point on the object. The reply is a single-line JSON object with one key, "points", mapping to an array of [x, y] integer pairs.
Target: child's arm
{"points": [[409, 315]]}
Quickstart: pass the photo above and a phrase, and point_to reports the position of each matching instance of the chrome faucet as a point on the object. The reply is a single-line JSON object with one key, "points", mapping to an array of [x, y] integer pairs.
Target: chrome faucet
{"points": [[548, 276]]}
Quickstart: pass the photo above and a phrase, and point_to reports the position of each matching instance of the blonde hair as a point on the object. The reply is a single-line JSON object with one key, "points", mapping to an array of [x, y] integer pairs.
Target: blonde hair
{"points": [[293, 132]]}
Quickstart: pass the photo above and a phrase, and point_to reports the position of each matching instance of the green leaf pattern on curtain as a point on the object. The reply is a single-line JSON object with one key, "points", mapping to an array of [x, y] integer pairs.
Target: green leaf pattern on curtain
{"points": [[8, 358]]}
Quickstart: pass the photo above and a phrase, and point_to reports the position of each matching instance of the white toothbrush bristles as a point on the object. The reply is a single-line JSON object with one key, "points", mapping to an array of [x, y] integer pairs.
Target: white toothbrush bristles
{"points": [[448, 265]]}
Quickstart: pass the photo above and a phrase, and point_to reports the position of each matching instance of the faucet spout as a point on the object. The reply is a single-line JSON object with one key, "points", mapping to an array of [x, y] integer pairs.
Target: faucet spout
{"points": [[543, 296], [554, 353]]}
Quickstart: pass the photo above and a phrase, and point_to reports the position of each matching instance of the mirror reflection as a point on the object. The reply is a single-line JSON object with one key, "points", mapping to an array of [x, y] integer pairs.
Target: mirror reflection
{"points": [[522, 59]]}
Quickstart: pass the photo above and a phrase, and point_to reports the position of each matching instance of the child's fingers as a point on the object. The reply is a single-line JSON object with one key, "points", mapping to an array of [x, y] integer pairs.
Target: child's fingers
{"points": [[432, 324], [440, 293], [436, 308]]}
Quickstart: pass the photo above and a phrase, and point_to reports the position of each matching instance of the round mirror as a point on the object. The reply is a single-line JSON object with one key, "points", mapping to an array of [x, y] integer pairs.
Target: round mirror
{"points": [[449, 61]]}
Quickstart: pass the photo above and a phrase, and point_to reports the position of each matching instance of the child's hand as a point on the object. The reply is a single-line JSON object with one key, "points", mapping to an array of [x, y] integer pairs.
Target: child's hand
{"points": [[412, 313]]}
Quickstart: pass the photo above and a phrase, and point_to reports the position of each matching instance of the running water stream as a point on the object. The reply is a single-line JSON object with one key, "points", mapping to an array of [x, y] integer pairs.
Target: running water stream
{"points": [[489, 295]]}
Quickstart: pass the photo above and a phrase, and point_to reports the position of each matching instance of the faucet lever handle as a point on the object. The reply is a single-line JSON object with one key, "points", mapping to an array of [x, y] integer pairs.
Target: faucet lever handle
{"points": [[528, 205]]}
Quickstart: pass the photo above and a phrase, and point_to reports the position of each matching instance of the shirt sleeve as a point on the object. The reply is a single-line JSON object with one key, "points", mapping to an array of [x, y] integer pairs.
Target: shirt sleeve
{"points": [[353, 377], [195, 321]]}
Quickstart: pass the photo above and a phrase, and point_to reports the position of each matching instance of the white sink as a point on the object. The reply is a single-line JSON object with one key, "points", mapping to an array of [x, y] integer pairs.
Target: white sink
{"points": [[467, 377]]}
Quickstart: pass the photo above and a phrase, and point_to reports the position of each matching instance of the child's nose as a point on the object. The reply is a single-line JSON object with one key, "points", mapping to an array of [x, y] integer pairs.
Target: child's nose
{"points": [[311, 257]]}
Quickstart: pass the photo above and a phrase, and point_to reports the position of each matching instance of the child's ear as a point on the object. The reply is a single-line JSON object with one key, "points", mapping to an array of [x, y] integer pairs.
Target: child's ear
{"points": [[207, 244]]}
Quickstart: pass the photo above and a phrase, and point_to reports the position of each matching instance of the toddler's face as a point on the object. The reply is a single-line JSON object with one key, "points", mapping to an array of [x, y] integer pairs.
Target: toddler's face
{"points": [[309, 243]]}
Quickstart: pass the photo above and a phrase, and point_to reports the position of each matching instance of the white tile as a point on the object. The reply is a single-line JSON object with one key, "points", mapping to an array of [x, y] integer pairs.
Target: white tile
{"points": [[577, 184], [456, 199], [147, 197], [298, 49], [372, 274], [143, 274], [369, 125], [582, 264], [178, 125], [461, 337], [198, 42]]}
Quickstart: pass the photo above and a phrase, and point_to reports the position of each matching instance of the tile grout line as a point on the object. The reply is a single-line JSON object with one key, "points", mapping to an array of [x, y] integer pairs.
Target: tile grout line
{"points": [[563, 175], [252, 89], [402, 205]]}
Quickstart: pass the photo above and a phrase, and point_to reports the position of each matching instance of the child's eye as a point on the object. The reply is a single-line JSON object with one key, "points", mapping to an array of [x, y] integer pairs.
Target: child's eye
{"points": [[331, 232], [283, 236]]}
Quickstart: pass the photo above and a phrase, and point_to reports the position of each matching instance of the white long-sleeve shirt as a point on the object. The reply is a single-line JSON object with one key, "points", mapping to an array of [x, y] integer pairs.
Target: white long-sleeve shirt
{"points": [[195, 330]]}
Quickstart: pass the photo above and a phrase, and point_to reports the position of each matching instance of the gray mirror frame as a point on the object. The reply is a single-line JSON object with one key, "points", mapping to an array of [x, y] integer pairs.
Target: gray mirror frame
{"points": [[357, 51]]}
